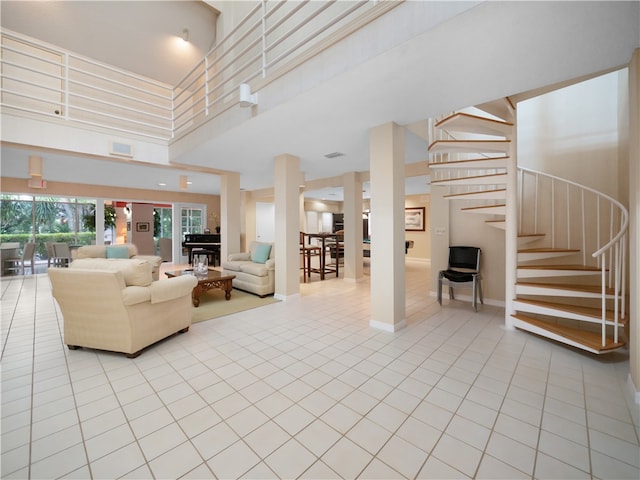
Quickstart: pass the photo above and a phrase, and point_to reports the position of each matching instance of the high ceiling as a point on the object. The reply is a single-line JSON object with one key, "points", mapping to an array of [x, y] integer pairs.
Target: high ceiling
{"points": [[464, 53]]}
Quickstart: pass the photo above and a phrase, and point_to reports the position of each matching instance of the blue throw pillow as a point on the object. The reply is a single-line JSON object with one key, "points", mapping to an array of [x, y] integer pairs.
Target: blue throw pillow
{"points": [[261, 254], [117, 251]]}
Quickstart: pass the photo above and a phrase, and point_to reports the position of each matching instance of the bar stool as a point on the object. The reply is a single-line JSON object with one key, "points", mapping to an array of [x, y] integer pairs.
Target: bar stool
{"points": [[307, 251]]}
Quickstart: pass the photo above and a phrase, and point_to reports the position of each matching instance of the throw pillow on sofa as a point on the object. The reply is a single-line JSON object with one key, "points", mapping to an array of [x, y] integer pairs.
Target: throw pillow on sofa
{"points": [[261, 253], [117, 251]]}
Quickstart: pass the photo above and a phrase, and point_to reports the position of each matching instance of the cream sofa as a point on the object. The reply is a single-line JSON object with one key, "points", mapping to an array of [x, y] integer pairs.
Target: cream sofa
{"points": [[114, 304], [251, 276], [100, 251]]}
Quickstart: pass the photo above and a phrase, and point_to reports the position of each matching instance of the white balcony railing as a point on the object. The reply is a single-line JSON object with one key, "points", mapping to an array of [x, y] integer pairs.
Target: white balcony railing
{"points": [[273, 38]]}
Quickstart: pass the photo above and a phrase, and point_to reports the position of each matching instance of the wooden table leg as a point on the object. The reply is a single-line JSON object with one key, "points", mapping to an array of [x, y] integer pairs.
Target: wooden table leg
{"points": [[195, 295], [228, 285]]}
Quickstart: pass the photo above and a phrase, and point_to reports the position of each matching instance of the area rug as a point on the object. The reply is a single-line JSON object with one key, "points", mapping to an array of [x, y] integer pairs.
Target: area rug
{"points": [[213, 304]]}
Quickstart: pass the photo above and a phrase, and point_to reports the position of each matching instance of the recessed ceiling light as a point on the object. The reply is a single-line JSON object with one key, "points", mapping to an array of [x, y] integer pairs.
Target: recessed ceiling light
{"points": [[162, 184], [334, 155]]}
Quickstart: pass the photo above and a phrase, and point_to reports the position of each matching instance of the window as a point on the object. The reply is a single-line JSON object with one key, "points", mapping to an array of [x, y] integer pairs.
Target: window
{"points": [[162, 222], [191, 220]]}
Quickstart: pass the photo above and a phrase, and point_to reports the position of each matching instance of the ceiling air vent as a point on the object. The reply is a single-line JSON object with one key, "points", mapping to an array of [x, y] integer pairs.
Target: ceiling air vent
{"points": [[334, 155], [122, 149]]}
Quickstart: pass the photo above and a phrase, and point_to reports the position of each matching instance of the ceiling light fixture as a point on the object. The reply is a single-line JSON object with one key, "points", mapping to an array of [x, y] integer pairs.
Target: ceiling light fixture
{"points": [[334, 155], [185, 34], [247, 99]]}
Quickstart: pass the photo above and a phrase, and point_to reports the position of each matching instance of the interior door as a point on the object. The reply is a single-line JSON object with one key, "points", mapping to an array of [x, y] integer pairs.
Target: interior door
{"points": [[265, 222]]}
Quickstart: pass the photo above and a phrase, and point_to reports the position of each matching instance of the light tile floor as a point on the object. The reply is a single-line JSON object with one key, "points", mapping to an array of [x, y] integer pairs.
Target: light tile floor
{"points": [[306, 389]]}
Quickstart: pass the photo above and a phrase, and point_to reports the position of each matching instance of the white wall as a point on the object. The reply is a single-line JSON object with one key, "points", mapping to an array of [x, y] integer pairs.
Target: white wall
{"points": [[573, 133]]}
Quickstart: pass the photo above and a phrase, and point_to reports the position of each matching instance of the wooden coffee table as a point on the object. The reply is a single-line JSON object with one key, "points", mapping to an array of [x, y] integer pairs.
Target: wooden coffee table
{"points": [[213, 279]]}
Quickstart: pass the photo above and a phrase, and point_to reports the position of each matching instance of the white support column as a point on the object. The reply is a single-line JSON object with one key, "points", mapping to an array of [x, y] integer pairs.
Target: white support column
{"points": [[511, 229], [634, 226], [229, 214], [287, 231], [352, 186], [386, 147]]}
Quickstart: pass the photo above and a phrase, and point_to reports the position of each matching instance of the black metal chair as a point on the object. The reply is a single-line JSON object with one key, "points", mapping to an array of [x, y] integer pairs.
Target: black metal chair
{"points": [[463, 270]]}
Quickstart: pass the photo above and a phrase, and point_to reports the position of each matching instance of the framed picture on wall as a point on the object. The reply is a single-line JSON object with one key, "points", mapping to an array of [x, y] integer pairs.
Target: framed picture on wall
{"points": [[142, 227], [414, 219]]}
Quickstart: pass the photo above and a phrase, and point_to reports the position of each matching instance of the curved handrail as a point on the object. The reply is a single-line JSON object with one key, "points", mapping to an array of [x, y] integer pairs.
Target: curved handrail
{"points": [[624, 213]]}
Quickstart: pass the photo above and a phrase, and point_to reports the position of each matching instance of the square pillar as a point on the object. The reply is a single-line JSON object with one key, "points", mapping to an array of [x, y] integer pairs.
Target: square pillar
{"points": [[229, 214], [287, 231], [352, 186], [386, 150]]}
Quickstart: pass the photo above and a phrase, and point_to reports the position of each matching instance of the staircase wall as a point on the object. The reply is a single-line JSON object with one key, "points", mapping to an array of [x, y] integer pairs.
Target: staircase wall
{"points": [[634, 230], [575, 133]]}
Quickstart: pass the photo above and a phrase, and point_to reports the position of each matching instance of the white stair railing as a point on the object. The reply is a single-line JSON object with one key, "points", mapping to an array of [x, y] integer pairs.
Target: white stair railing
{"points": [[577, 216]]}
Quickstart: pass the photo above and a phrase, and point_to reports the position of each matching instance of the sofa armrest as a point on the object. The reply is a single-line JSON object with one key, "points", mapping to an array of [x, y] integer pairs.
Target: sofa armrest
{"points": [[235, 257], [152, 259], [172, 288], [270, 264], [134, 295]]}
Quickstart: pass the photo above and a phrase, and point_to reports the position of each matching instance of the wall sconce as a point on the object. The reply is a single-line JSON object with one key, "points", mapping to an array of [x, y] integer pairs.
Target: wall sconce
{"points": [[35, 166], [183, 182], [247, 99], [127, 210], [185, 34]]}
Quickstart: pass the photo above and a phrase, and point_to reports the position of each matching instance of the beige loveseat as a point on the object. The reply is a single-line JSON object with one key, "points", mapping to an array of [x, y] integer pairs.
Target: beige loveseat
{"points": [[102, 251], [114, 304], [252, 276]]}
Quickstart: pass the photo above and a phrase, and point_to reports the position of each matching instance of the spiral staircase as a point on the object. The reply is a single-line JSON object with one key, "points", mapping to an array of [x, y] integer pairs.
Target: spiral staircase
{"points": [[565, 243]]}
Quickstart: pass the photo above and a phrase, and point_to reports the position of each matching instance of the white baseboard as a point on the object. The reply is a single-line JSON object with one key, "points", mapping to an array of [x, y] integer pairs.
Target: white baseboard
{"points": [[284, 298], [387, 327]]}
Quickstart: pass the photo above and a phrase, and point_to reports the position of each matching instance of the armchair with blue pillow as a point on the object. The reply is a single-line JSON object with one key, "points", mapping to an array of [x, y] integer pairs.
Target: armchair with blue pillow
{"points": [[254, 270]]}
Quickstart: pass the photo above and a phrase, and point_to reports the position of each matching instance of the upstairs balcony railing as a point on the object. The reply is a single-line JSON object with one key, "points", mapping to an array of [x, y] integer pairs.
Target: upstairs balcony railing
{"points": [[272, 39]]}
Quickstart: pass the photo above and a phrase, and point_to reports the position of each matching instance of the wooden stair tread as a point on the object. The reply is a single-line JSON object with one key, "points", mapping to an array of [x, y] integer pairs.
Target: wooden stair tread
{"points": [[579, 309], [502, 205], [472, 177], [469, 115], [466, 163], [475, 193], [472, 146], [569, 286], [469, 141], [466, 122], [575, 268], [588, 339], [523, 235], [548, 250]]}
